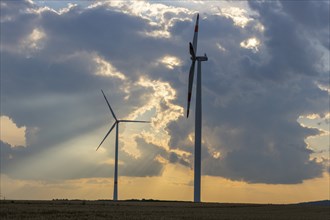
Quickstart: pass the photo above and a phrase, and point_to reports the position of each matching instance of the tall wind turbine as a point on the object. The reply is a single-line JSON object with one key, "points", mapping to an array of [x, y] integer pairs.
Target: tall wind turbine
{"points": [[198, 112], [115, 190]]}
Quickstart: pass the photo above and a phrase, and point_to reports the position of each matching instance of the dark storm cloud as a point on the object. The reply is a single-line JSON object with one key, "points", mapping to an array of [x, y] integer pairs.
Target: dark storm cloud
{"points": [[251, 100], [59, 78], [289, 39], [259, 138], [12, 13], [311, 14], [54, 89]]}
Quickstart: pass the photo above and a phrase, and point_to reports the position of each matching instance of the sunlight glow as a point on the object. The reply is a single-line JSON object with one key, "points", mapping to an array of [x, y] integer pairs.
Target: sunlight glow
{"points": [[105, 68], [251, 43], [319, 143], [35, 37], [260, 27], [170, 61], [158, 34], [155, 13], [34, 41], [191, 137], [324, 88], [220, 47], [11, 133], [160, 99], [175, 184], [216, 154], [312, 116], [111, 161], [66, 10], [238, 15]]}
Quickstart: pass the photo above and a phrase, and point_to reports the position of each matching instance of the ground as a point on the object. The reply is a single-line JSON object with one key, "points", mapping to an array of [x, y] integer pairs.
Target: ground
{"points": [[80, 209]]}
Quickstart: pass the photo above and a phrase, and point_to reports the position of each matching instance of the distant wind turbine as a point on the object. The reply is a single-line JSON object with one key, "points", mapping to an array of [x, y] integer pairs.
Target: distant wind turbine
{"points": [[115, 190], [198, 112]]}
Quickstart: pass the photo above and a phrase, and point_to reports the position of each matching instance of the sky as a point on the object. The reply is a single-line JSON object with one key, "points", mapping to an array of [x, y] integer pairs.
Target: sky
{"points": [[265, 98]]}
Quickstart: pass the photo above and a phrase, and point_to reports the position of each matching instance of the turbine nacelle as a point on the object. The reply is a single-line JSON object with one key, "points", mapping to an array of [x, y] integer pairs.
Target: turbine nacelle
{"points": [[202, 58]]}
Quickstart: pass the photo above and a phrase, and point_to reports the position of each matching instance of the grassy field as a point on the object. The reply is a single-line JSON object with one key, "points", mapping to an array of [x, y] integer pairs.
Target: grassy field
{"points": [[76, 209]]}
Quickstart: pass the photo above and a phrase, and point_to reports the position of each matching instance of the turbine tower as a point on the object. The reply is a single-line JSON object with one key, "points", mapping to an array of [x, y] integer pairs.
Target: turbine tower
{"points": [[115, 189], [198, 112]]}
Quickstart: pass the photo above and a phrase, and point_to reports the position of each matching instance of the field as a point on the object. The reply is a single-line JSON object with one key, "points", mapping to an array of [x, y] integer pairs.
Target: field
{"points": [[80, 209]]}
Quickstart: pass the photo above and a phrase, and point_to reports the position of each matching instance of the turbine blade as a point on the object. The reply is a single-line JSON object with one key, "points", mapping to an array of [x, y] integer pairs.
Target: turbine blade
{"points": [[134, 121], [192, 51], [196, 35], [106, 135], [113, 114], [191, 80]]}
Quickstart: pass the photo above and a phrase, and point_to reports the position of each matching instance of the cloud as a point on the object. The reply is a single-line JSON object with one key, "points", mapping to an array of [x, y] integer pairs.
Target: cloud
{"points": [[238, 15], [251, 43], [106, 69], [170, 61], [159, 16], [11, 134], [55, 63], [252, 100]]}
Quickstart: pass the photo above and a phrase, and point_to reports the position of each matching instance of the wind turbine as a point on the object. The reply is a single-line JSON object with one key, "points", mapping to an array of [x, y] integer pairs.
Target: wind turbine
{"points": [[115, 190], [198, 112]]}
